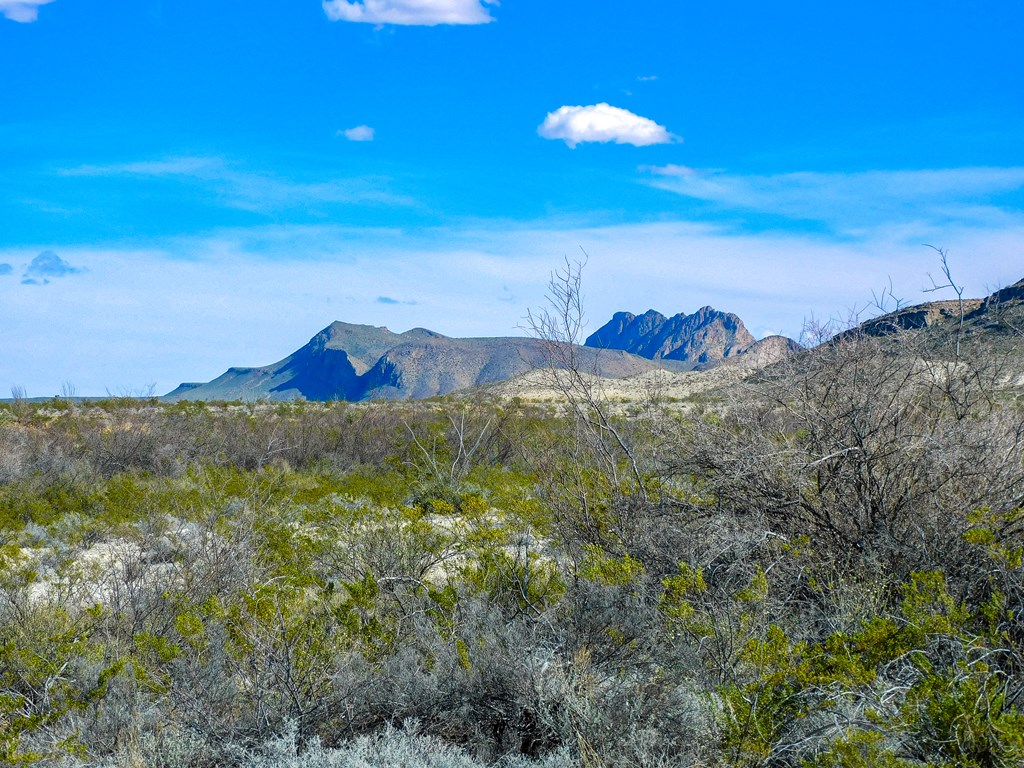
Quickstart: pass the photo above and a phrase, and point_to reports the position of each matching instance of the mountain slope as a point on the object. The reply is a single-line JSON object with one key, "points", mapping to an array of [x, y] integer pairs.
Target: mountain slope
{"points": [[433, 367]]}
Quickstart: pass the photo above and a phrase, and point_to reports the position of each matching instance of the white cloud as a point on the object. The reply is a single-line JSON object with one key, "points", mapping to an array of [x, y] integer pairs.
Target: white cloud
{"points": [[603, 123], [359, 133], [22, 10], [853, 202], [426, 13]]}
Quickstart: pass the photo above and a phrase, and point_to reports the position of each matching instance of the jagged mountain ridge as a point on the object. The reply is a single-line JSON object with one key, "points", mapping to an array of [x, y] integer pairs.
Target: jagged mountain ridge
{"points": [[705, 339]]}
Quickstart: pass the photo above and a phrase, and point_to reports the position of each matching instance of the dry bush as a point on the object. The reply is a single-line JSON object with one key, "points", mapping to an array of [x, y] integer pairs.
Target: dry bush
{"points": [[877, 449]]}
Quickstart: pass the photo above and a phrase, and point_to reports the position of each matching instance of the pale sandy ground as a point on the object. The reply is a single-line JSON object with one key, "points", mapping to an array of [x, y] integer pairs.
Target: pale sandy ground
{"points": [[665, 386]]}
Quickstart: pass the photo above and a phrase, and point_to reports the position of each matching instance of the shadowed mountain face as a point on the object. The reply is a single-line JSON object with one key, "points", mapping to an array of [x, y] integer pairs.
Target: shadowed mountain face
{"points": [[360, 362], [701, 340], [330, 367]]}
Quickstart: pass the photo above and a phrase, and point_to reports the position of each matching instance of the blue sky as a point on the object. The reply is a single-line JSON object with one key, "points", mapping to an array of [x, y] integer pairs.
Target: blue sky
{"points": [[190, 185]]}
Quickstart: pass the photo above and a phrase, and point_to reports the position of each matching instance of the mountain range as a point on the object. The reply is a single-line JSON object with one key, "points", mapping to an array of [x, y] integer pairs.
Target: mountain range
{"points": [[362, 362], [345, 361]]}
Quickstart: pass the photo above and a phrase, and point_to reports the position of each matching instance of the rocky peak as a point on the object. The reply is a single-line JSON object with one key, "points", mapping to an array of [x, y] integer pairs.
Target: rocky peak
{"points": [[703, 338]]}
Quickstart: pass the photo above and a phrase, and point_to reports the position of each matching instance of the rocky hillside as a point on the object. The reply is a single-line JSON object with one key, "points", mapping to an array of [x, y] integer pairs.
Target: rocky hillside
{"points": [[999, 315], [763, 352]]}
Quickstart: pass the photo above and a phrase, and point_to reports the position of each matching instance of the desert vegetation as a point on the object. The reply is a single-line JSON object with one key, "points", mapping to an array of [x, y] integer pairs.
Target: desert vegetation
{"points": [[821, 566]]}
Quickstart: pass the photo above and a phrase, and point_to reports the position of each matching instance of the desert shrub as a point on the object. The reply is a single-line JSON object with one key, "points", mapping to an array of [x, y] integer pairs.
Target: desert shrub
{"points": [[821, 567]]}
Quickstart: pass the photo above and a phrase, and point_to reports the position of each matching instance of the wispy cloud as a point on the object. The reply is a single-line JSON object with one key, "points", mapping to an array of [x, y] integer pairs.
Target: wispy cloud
{"points": [[359, 133], [851, 202], [196, 167], [24, 11], [425, 13], [394, 302], [247, 190], [603, 123], [46, 265]]}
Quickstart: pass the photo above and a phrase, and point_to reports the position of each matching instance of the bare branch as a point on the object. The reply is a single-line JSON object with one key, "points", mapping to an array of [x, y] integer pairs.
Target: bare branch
{"points": [[950, 283]]}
